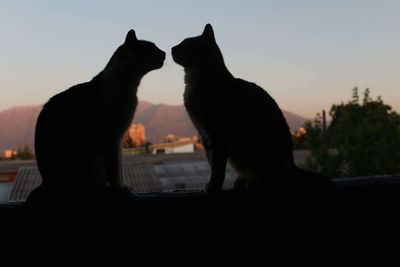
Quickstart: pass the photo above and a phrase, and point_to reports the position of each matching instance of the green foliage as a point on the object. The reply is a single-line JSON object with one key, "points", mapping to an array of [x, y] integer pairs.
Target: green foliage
{"points": [[24, 153], [362, 139]]}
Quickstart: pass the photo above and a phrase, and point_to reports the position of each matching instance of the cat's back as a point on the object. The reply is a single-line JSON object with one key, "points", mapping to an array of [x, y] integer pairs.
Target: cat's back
{"points": [[252, 94], [230, 94], [75, 102], [74, 96], [255, 99], [252, 105], [66, 111]]}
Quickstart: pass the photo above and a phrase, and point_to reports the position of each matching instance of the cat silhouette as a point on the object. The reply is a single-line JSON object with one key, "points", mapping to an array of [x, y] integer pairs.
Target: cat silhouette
{"points": [[240, 122], [79, 131]]}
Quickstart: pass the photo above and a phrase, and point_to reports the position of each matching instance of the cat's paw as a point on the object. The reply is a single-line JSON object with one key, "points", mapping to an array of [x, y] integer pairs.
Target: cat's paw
{"points": [[211, 189], [123, 190]]}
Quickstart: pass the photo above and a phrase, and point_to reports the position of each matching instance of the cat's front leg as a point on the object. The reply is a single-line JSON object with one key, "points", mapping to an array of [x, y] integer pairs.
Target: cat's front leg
{"points": [[218, 156], [113, 156], [207, 148]]}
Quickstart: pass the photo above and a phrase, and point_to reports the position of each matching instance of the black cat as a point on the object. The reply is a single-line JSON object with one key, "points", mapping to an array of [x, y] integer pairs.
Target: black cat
{"points": [[238, 121], [79, 131]]}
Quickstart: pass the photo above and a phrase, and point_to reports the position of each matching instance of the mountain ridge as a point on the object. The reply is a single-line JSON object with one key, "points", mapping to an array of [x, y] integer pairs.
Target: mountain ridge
{"points": [[17, 124]]}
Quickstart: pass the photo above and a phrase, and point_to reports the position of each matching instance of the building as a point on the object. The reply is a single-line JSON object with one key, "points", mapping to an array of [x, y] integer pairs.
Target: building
{"points": [[137, 135], [10, 154], [8, 175], [186, 146], [171, 138]]}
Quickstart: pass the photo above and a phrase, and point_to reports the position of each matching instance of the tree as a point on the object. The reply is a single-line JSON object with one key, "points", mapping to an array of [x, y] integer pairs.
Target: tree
{"points": [[362, 139], [24, 153]]}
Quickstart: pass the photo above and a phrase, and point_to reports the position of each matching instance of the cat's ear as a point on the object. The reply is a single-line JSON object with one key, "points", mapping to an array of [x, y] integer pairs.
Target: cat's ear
{"points": [[130, 37], [208, 33]]}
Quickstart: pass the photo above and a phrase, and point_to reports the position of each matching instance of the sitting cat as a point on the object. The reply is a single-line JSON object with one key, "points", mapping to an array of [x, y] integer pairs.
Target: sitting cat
{"points": [[79, 131], [238, 121]]}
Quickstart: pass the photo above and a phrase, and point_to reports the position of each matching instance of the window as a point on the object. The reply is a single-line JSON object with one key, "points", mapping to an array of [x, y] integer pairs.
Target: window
{"points": [[308, 61]]}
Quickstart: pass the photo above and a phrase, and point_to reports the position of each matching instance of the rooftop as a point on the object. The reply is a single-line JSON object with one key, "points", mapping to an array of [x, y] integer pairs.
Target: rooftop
{"points": [[143, 173], [172, 144]]}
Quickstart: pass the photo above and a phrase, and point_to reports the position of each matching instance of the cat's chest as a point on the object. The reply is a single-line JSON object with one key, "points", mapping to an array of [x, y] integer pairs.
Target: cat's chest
{"points": [[118, 107], [124, 106], [206, 95], [189, 91], [195, 96], [203, 103], [119, 97]]}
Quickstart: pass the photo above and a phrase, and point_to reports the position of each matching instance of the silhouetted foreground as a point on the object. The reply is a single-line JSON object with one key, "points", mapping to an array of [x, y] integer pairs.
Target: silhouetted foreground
{"points": [[192, 224], [192, 221]]}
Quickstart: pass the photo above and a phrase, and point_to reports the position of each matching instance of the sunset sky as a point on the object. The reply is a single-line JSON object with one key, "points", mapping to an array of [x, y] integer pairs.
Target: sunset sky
{"points": [[307, 54]]}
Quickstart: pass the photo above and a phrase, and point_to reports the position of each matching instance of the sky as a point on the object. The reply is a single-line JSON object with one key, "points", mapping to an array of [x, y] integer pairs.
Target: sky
{"points": [[306, 54]]}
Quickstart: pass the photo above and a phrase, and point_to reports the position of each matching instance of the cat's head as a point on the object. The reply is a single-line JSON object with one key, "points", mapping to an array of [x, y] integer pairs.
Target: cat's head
{"points": [[143, 56], [199, 51]]}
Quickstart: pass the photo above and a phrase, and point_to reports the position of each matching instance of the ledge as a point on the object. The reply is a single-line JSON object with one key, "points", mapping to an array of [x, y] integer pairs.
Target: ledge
{"points": [[360, 195], [373, 199], [162, 221]]}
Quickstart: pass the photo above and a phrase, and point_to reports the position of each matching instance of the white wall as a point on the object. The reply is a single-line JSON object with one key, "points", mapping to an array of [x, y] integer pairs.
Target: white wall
{"points": [[189, 148]]}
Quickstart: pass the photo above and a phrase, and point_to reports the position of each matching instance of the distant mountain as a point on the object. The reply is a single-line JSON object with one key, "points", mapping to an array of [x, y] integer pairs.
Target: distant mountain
{"points": [[17, 127], [17, 124], [161, 120], [295, 121]]}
